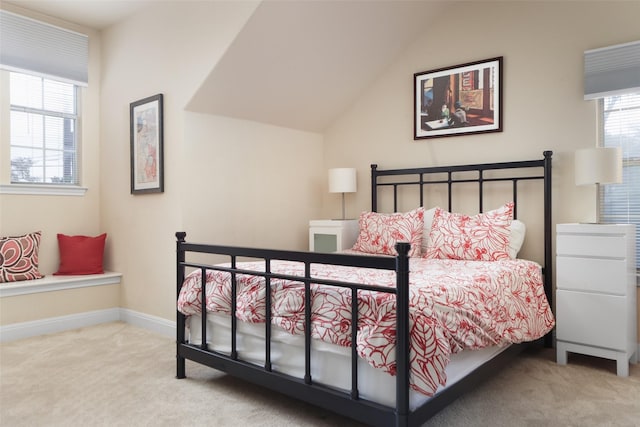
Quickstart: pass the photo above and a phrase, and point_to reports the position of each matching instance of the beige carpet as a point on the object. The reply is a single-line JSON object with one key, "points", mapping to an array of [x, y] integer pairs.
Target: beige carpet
{"points": [[118, 375]]}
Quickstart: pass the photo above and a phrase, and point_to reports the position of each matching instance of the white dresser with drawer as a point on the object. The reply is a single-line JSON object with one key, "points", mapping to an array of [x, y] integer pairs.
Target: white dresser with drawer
{"points": [[596, 292]]}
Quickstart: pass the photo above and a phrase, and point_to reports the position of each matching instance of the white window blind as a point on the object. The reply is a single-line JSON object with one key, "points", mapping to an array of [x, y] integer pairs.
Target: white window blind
{"points": [[43, 128], [612, 70], [620, 203], [27, 45]]}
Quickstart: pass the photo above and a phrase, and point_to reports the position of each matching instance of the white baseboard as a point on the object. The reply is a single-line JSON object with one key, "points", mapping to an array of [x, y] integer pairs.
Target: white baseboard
{"points": [[17, 331], [149, 322]]}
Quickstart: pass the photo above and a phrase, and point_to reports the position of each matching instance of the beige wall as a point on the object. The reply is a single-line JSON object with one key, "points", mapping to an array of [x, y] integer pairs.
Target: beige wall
{"points": [[214, 192], [228, 181], [250, 184], [167, 49], [21, 214], [542, 44]]}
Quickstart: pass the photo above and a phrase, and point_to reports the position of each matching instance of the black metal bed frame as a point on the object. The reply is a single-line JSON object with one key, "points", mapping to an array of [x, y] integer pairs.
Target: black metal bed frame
{"points": [[348, 403]]}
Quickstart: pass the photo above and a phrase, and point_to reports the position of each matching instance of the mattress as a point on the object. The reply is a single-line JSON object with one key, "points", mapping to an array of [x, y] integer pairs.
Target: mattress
{"points": [[330, 363]]}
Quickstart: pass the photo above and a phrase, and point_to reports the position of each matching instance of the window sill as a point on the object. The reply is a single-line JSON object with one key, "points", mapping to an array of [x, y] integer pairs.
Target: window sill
{"points": [[43, 189], [57, 283]]}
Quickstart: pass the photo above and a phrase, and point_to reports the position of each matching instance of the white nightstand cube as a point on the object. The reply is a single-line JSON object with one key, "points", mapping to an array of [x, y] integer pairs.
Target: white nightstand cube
{"points": [[332, 235], [596, 292]]}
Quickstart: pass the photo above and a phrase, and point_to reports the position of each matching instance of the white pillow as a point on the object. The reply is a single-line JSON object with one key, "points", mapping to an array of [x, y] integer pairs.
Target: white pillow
{"points": [[516, 238], [428, 220]]}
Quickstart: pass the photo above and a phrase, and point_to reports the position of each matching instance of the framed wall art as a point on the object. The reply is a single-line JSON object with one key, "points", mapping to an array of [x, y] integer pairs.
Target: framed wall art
{"points": [[147, 154], [459, 100]]}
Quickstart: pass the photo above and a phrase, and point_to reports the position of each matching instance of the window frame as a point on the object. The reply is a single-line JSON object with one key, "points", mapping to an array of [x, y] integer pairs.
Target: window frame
{"points": [[37, 188]]}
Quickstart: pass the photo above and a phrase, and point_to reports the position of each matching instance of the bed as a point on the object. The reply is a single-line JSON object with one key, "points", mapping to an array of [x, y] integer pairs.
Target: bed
{"points": [[431, 317]]}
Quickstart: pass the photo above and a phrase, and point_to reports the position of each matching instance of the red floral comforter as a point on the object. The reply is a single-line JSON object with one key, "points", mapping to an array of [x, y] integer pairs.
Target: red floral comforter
{"points": [[455, 305]]}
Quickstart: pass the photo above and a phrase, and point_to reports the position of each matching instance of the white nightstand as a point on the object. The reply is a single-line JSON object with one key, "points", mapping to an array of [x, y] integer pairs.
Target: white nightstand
{"points": [[332, 235], [596, 292]]}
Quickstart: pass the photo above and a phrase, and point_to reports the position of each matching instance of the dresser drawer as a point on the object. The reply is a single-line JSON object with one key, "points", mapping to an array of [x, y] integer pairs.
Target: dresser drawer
{"points": [[606, 246], [592, 319], [592, 274]]}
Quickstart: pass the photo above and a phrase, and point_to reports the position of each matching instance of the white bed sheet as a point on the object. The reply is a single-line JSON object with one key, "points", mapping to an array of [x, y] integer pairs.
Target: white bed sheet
{"points": [[331, 364]]}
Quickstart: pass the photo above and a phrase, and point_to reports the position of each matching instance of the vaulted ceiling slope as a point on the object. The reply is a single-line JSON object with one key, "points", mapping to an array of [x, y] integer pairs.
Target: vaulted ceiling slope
{"points": [[98, 14], [297, 63], [300, 64]]}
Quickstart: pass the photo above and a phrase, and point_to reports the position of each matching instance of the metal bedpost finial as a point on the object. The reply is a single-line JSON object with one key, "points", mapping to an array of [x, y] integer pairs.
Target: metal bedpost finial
{"points": [[403, 248], [181, 235]]}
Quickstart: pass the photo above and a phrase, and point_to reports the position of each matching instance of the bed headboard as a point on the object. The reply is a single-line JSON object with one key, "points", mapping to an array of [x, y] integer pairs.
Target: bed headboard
{"points": [[482, 175]]}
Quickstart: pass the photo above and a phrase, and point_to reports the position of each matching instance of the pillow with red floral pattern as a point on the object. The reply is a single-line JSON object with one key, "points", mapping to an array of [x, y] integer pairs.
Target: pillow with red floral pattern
{"points": [[482, 237], [19, 257], [379, 232]]}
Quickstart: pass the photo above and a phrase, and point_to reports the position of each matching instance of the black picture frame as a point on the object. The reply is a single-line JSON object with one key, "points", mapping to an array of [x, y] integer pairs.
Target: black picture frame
{"points": [[459, 100], [147, 145]]}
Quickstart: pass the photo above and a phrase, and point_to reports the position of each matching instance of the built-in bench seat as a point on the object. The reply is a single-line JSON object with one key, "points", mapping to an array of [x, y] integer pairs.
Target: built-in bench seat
{"points": [[58, 283]]}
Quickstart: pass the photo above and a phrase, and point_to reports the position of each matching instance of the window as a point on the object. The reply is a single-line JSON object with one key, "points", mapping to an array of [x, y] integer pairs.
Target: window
{"points": [[43, 130], [620, 127]]}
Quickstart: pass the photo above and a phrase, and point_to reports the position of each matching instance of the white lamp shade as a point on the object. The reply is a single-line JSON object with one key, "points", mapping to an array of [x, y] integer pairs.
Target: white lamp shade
{"points": [[598, 165], [342, 180]]}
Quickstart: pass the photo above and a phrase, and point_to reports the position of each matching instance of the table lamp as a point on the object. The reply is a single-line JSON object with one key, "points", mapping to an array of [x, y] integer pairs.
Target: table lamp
{"points": [[600, 165], [342, 180]]}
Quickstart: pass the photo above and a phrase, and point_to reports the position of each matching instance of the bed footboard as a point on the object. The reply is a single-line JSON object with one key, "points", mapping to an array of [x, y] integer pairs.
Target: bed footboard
{"points": [[347, 403]]}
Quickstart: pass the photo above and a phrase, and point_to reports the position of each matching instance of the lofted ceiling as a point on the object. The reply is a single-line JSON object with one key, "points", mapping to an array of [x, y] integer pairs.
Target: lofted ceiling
{"points": [[301, 64], [297, 64], [98, 14]]}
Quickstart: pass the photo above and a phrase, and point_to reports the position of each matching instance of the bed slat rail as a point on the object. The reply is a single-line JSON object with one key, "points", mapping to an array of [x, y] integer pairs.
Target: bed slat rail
{"points": [[234, 308], [267, 322], [354, 340], [307, 324]]}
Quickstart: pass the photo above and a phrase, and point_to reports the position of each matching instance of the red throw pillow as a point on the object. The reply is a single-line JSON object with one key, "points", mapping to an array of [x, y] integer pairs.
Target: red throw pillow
{"points": [[80, 254]]}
